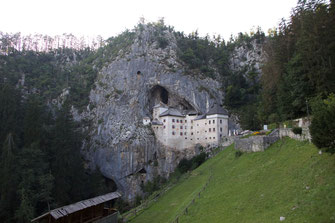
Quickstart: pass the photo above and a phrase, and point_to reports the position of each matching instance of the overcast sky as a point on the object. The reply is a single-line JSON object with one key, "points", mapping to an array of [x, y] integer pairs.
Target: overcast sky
{"points": [[109, 17]]}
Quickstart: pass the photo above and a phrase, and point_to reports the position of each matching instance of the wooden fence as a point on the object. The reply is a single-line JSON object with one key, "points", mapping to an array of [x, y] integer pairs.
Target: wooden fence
{"points": [[184, 211]]}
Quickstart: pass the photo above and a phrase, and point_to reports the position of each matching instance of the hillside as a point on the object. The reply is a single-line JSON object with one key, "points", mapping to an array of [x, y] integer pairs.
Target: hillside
{"points": [[290, 179]]}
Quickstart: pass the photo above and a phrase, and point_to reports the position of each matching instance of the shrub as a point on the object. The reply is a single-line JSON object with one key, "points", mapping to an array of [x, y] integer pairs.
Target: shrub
{"points": [[297, 130], [322, 127], [238, 154]]}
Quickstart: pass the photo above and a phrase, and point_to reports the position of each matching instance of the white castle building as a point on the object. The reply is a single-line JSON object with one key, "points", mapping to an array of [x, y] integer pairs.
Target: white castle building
{"points": [[177, 130]]}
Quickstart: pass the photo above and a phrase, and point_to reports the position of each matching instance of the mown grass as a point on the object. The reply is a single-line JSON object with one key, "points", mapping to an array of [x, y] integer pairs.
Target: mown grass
{"points": [[290, 179]]}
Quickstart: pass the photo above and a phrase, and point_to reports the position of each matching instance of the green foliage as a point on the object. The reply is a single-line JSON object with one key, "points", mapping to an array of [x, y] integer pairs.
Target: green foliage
{"points": [[238, 154], [322, 127], [300, 61], [40, 159], [191, 164], [297, 130]]}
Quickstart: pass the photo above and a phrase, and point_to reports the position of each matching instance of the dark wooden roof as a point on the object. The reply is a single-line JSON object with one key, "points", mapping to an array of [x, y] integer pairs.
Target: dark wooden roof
{"points": [[216, 109], [69, 209], [172, 112]]}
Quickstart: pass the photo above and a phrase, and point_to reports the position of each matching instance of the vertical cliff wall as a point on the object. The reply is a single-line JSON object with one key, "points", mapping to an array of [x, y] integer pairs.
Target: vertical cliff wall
{"points": [[120, 145]]}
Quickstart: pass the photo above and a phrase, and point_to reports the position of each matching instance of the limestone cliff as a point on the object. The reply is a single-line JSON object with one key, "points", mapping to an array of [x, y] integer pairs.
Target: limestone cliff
{"points": [[120, 145]]}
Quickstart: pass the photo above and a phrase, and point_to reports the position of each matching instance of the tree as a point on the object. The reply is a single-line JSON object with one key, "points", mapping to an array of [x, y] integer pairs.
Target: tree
{"points": [[8, 180], [322, 127]]}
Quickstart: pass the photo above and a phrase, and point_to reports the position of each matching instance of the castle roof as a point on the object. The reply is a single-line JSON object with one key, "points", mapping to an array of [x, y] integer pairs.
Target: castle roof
{"points": [[216, 109], [200, 117], [160, 104], [156, 122], [171, 112]]}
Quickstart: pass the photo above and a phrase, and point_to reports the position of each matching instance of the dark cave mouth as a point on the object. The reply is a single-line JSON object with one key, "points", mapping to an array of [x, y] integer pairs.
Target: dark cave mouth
{"points": [[159, 94]]}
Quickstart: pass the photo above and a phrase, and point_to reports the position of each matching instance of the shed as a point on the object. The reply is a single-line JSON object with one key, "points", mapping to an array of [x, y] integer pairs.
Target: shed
{"points": [[97, 209]]}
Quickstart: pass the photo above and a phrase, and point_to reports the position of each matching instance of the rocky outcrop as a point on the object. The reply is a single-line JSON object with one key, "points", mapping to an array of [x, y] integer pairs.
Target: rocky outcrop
{"points": [[125, 91]]}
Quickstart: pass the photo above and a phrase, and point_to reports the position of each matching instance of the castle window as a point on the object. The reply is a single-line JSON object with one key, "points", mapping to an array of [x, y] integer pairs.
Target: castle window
{"points": [[213, 121], [173, 120], [192, 133], [197, 124], [197, 138], [181, 121], [163, 120], [198, 132], [213, 137], [173, 133], [209, 129], [185, 137], [185, 121], [177, 120], [191, 121], [164, 126], [185, 133], [185, 127], [220, 121], [220, 129], [206, 123], [210, 137], [173, 126], [209, 122], [213, 129], [220, 136], [206, 138], [181, 127], [181, 133]]}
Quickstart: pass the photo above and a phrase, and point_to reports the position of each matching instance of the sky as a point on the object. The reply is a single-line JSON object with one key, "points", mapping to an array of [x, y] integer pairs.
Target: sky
{"points": [[109, 17]]}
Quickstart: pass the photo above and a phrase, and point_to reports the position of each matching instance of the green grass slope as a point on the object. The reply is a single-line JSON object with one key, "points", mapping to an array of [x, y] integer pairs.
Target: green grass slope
{"points": [[290, 179]]}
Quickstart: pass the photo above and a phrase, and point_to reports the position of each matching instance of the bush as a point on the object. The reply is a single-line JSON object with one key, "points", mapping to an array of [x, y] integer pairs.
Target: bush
{"points": [[297, 130], [322, 127], [238, 154], [186, 165]]}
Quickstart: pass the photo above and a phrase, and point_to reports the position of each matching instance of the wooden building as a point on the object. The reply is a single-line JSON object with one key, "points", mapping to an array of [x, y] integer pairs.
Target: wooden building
{"points": [[98, 209]]}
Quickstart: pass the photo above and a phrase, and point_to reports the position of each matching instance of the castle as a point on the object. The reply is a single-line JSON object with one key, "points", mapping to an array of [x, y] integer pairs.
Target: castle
{"points": [[186, 129]]}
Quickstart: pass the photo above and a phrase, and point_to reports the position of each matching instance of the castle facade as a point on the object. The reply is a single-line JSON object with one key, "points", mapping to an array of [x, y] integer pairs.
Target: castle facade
{"points": [[181, 130]]}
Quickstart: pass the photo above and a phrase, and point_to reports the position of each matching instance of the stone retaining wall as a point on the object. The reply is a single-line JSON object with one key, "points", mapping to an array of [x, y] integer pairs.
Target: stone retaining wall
{"points": [[305, 135], [255, 143]]}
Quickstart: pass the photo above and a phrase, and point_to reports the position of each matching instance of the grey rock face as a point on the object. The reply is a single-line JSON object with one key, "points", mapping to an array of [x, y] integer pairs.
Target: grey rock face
{"points": [[120, 145], [248, 58]]}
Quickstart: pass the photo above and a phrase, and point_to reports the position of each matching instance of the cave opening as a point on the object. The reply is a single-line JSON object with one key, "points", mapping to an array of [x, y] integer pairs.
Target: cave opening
{"points": [[160, 94]]}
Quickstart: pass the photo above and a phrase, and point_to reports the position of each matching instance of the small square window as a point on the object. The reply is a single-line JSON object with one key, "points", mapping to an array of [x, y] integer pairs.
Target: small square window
{"points": [[209, 129], [220, 129], [173, 126], [181, 133], [213, 137], [213, 129], [213, 121], [185, 121], [173, 133], [173, 120], [220, 121], [210, 137], [181, 127], [177, 120], [164, 126], [181, 121], [163, 120], [209, 122]]}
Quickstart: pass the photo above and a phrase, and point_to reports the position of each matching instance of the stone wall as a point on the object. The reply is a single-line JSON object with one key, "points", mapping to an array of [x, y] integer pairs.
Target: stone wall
{"points": [[255, 143], [305, 135]]}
